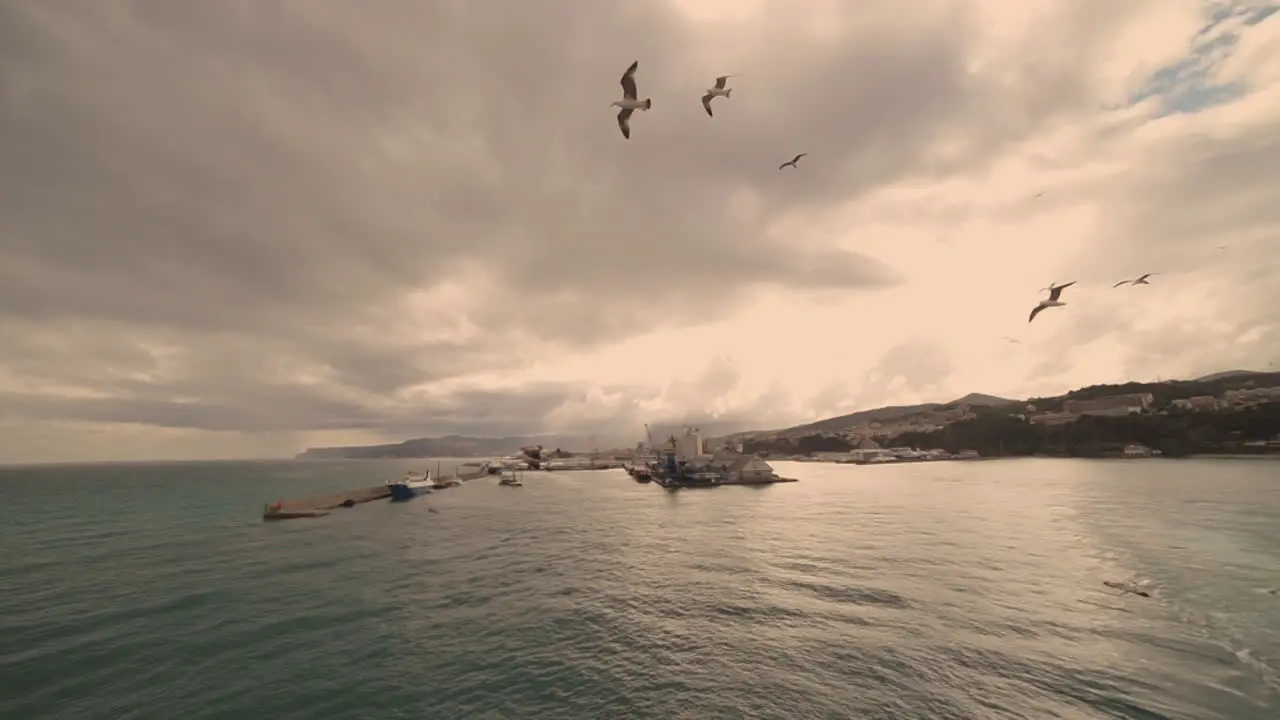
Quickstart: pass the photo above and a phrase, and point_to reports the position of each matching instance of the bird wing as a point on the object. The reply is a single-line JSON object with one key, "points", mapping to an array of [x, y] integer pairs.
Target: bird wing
{"points": [[1122, 282], [720, 81], [706, 103], [797, 158], [1055, 291], [1144, 277], [629, 81], [783, 165], [1035, 311], [624, 122]]}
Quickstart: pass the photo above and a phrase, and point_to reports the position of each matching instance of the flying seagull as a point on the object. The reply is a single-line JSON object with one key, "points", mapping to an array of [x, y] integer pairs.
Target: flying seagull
{"points": [[1055, 291], [629, 102], [792, 162], [1140, 281], [718, 91]]}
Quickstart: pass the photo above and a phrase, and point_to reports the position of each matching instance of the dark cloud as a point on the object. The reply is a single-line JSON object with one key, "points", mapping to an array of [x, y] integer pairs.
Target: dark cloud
{"points": [[211, 213]]}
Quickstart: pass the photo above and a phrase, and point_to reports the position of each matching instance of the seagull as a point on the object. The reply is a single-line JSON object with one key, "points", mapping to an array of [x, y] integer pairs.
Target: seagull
{"points": [[792, 162], [718, 91], [629, 102], [1043, 304], [1055, 291], [1140, 281], [1125, 588], [1009, 339]]}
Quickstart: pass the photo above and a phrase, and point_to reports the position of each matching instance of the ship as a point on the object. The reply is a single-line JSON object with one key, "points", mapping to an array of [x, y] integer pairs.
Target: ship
{"points": [[413, 484]]}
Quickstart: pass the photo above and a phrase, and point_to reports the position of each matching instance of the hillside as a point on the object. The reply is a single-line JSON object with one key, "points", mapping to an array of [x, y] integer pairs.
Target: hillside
{"points": [[1177, 434], [448, 446], [995, 431], [843, 422], [894, 412], [1227, 374], [982, 400]]}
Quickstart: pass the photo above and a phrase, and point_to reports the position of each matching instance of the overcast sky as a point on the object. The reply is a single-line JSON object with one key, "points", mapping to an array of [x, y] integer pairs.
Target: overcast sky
{"points": [[239, 228]]}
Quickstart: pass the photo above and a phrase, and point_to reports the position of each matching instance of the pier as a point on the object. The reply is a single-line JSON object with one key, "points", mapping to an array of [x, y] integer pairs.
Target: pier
{"points": [[320, 505]]}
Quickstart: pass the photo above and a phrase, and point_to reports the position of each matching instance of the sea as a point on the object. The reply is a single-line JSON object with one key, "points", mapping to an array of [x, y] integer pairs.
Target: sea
{"points": [[931, 590]]}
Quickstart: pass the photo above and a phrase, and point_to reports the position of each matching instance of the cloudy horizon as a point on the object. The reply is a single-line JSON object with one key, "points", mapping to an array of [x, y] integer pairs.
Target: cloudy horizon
{"points": [[236, 229]]}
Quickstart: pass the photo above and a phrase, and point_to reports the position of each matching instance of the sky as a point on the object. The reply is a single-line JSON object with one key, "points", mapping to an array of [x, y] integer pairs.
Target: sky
{"points": [[243, 228]]}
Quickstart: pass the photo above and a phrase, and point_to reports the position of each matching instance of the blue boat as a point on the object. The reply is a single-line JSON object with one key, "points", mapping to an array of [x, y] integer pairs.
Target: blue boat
{"points": [[410, 486]]}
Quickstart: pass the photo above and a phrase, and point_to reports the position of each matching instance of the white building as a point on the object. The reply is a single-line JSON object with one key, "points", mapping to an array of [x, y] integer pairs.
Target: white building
{"points": [[689, 445]]}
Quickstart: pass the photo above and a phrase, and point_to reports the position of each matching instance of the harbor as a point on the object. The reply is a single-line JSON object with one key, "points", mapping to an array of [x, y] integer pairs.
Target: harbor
{"points": [[683, 462]]}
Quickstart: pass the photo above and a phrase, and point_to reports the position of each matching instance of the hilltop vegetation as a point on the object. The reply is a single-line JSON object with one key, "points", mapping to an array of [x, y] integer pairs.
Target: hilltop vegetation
{"points": [[998, 430], [1167, 391], [1174, 434], [894, 412]]}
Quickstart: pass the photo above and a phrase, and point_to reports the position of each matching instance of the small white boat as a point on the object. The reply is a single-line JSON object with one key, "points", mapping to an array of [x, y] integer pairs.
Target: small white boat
{"points": [[511, 478]]}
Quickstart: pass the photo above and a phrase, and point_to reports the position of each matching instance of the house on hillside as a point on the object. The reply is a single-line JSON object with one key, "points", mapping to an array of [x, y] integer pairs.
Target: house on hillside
{"points": [[1199, 403], [1252, 396]]}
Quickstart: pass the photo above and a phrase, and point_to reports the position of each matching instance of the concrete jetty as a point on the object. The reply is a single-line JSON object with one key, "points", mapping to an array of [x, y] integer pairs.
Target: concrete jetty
{"points": [[319, 505], [760, 481]]}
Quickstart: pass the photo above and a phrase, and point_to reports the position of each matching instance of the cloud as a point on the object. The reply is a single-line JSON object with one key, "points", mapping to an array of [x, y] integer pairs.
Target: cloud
{"points": [[282, 223], [918, 365]]}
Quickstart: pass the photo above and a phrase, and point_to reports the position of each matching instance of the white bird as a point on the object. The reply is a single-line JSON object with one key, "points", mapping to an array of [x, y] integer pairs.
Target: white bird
{"points": [[1055, 291], [792, 162], [718, 91], [1140, 281], [1043, 304], [1126, 588], [629, 102]]}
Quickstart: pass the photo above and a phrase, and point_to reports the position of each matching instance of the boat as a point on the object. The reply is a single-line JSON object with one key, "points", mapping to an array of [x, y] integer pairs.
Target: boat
{"points": [[477, 468], [413, 484], [511, 479], [641, 474]]}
